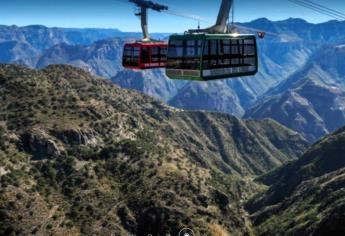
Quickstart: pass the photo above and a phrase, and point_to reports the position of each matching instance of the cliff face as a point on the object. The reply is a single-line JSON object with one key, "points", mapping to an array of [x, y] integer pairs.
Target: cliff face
{"points": [[312, 100], [80, 155], [305, 197], [101, 58]]}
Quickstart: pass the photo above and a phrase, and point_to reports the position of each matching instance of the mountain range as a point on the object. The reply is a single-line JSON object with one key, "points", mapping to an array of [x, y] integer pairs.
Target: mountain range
{"points": [[97, 58], [311, 101], [79, 155], [299, 29], [287, 54], [29, 43]]}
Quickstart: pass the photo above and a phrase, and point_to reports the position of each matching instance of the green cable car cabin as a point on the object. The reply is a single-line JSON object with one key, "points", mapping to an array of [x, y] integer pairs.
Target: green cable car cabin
{"points": [[211, 56]]}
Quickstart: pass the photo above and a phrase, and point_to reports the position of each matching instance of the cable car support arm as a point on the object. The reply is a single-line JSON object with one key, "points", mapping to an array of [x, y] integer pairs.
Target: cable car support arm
{"points": [[222, 20], [144, 6]]}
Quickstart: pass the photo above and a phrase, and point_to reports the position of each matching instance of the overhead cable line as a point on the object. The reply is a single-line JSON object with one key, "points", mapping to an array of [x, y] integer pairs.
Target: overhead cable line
{"points": [[326, 8], [185, 15], [319, 9]]}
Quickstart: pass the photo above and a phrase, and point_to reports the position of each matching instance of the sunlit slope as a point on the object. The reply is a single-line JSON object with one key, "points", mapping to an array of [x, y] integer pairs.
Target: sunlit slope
{"points": [[80, 155]]}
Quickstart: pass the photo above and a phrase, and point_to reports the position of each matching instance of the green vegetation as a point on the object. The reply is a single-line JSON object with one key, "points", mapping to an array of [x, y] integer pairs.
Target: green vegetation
{"points": [[80, 156], [306, 195]]}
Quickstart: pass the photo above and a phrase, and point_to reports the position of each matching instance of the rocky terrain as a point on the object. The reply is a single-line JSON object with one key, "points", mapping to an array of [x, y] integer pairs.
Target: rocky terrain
{"points": [[101, 58], [151, 82], [305, 197], [312, 101], [80, 156]]}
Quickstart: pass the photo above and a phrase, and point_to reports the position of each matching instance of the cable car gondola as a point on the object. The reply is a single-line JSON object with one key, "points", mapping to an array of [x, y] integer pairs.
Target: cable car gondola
{"points": [[211, 56], [146, 53], [212, 53]]}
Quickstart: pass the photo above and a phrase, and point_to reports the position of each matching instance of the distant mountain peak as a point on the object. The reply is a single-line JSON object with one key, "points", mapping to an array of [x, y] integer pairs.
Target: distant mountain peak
{"points": [[261, 20], [288, 20], [36, 27], [292, 19]]}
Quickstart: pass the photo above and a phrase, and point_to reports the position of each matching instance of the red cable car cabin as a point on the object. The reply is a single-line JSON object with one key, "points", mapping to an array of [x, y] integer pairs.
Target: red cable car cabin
{"points": [[145, 55]]}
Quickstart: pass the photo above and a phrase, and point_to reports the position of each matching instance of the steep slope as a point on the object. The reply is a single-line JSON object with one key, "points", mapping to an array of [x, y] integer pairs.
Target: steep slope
{"points": [[80, 155], [212, 96], [305, 197], [312, 100], [18, 53], [150, 82], [236, 146], [101, 58]]}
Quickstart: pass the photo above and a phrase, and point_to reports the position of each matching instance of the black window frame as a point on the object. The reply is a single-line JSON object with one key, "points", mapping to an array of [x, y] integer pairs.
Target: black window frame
{"points": [[145, 55], [215, 57], [155, 54], [184, 60], [129, 57], [163, 54]]}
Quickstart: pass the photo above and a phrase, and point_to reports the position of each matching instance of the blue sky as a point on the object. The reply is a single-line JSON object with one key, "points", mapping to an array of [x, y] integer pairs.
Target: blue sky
{"points": [[114, 14]]}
